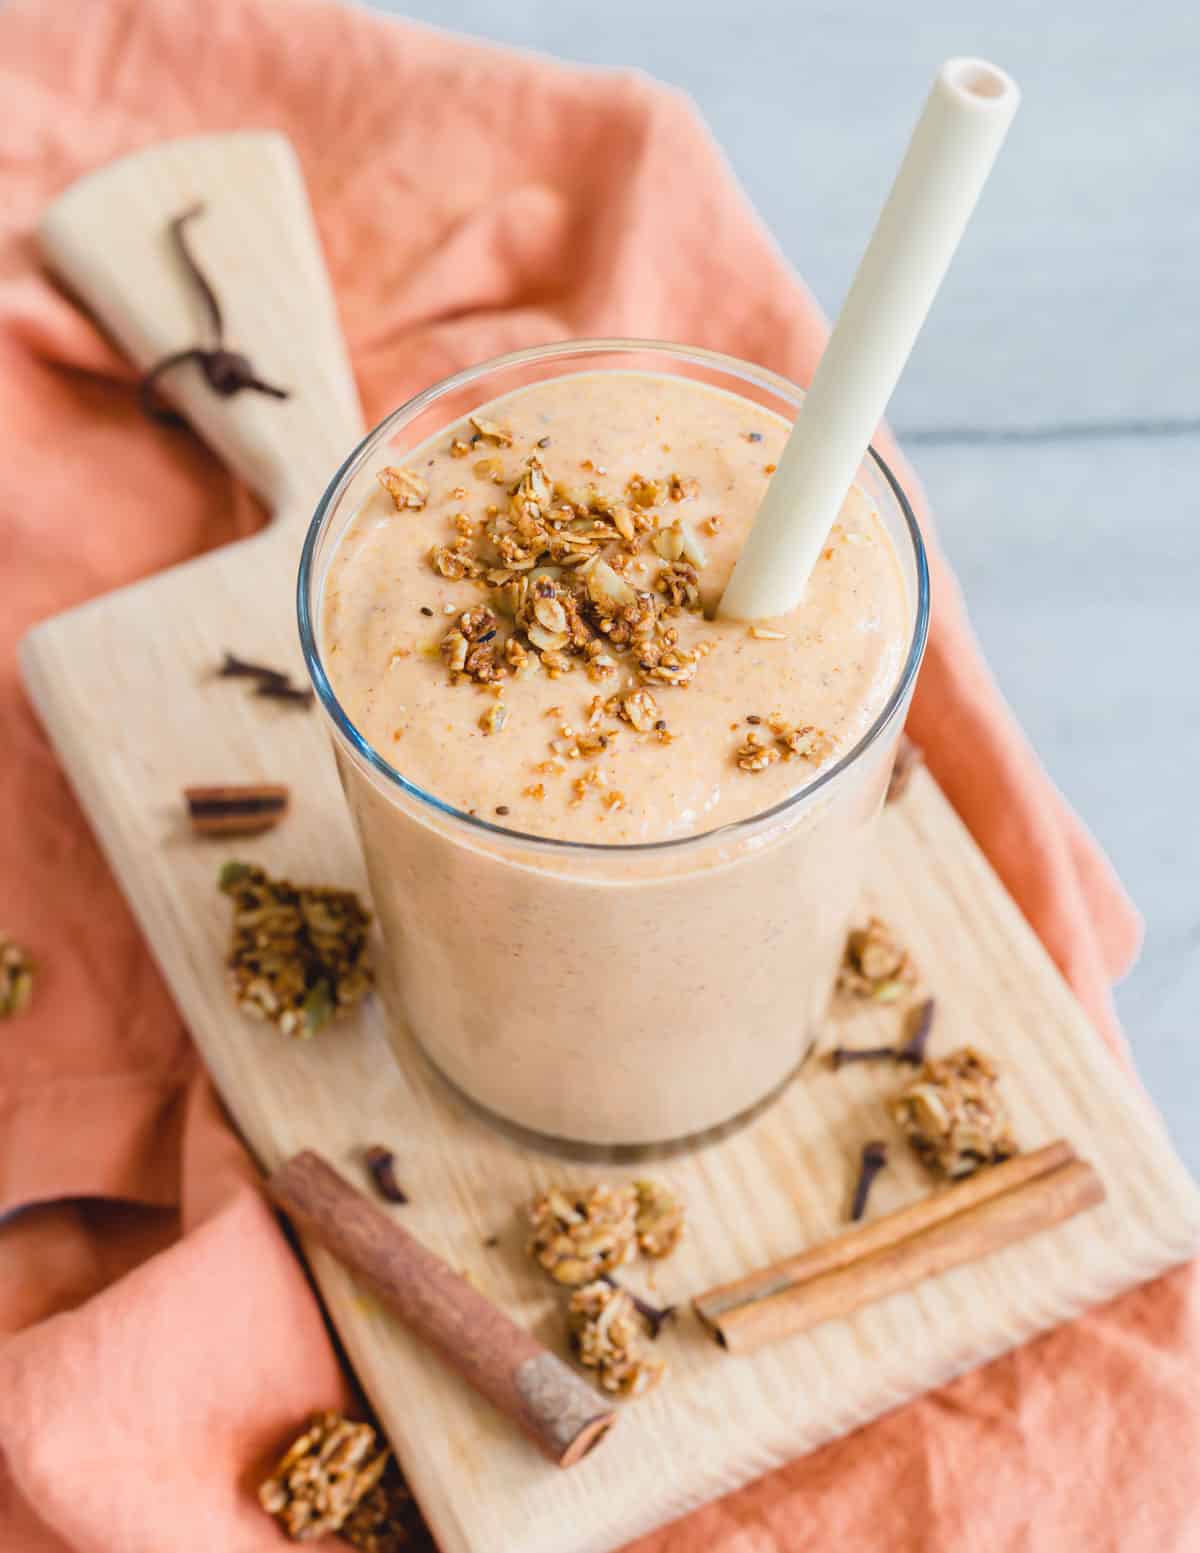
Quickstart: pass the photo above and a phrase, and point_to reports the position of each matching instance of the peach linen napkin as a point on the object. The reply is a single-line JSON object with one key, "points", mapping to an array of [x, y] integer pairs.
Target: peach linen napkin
{"points": [[159, 1339]]}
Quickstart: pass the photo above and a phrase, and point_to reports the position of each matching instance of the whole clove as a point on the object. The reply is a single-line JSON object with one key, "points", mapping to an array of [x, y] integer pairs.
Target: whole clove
{"points": [[274, 691], [912, 1052], [874, 1158], [274, 684], [233, 667], [841, 1055], [921, 1024], [235, 810], [226, 372], [654, 1316], [381, 1163]]}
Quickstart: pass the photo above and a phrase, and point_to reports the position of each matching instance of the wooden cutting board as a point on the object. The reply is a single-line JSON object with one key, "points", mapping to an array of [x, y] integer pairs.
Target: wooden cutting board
{"points": [[124, 684]]}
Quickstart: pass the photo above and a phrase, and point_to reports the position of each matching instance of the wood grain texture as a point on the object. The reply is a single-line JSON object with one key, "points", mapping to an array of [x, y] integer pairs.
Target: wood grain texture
{"points": [[125, 687]]}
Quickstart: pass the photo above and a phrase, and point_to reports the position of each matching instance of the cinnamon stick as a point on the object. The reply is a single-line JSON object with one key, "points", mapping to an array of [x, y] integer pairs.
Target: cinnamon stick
{"points": [[540, 1393], [988, 1211], [236, 809]]}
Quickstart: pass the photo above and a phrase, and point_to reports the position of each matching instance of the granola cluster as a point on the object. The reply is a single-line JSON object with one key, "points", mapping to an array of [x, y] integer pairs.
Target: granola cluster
{"points": [[327, 1472], [581, 578], [386, 1518], [787, 741], [609, 1336], [578, 1235], [553, 560], [580, 1238], [954, 1115], [875, 964], [16, 977], [660, 1218], [298, 955]]}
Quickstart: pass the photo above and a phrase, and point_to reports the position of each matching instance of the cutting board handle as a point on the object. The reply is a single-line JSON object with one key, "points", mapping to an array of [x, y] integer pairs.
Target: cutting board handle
{"points": [[107, 238]]}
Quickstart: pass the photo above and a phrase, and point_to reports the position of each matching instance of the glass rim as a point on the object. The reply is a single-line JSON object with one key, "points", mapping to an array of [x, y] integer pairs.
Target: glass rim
{"points": [[362, 747]]}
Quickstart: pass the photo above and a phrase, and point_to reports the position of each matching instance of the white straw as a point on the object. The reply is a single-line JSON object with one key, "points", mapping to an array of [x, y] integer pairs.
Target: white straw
{"points": [[951, 153]]}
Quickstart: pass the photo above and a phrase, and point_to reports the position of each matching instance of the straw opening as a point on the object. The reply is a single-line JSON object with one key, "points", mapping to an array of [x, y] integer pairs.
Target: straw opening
{"points": [[983, 83]]}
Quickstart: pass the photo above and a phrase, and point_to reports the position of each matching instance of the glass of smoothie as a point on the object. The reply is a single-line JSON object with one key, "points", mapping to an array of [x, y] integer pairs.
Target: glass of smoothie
{"points": [[613, 842]]}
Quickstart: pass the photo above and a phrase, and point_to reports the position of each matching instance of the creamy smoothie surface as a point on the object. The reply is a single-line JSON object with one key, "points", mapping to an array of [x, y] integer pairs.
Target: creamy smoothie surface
{"points": [[518, 620]]}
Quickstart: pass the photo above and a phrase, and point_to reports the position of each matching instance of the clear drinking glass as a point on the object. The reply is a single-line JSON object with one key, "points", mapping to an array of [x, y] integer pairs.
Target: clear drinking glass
{"points": [[608, 1000]]}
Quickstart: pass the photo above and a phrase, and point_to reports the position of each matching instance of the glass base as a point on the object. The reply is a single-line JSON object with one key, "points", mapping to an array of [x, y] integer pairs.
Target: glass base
{"points": [[611, 1153]]}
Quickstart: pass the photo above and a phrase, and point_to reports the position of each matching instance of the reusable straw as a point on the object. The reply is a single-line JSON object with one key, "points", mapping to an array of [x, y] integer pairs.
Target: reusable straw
{"points": [[949, 157]]}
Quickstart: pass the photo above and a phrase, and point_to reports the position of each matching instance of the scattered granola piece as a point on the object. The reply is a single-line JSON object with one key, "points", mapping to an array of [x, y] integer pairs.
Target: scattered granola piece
{"points": [[298, 955], [807, 742], [405, 486], [494, 719], [679, 583], [577, 1235], [459, 448], [660, 1218], [328, 1470], [765, 634], [680, 489], [642, 492], [16, 977], [755, 755], [386, 1518], [676, 666], [451, 564], [640, 709], [489, 469], [953, 1114], [608, 1336], [668, 542], [875, 964], [536, 790], [488, 431]]}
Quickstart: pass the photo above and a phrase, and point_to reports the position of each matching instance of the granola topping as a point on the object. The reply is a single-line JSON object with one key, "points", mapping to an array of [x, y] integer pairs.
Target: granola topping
{"points": [[577, 1235], [756, 753], [875, 964], [640, 709], [609, 1336], [488, 431], [405, 486], [325, 1473], [954, 1116], [298, 956], [562, 575]]}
